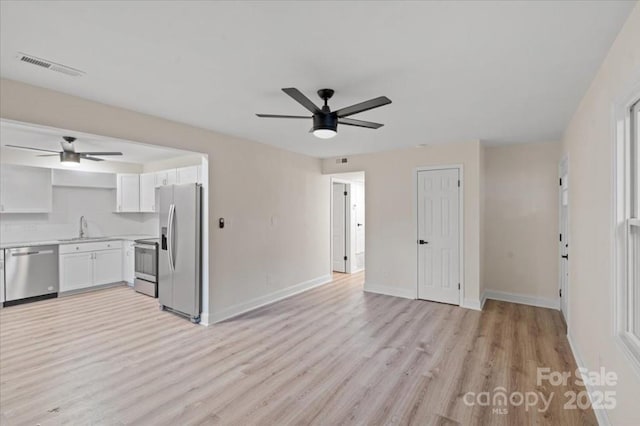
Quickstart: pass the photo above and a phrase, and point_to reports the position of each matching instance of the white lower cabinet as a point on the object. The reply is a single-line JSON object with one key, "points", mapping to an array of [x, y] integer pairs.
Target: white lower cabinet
{"points": [[107, 266], [129, 262], [90, 264], [76, 271]]}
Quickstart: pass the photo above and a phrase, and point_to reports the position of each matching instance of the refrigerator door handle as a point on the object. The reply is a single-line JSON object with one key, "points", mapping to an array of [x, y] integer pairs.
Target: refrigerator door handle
{"points": [[172, 265]]}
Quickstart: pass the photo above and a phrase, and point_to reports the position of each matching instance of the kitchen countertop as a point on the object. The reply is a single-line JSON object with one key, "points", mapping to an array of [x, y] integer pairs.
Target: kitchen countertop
{"points": [[128, 237]]}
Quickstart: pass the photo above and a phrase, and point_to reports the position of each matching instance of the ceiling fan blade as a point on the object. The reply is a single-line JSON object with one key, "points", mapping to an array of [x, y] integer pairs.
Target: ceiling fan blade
{"points": [[363, 106], [359, 123], [281, 116], [84, 157], [301, 99], [98, 153], [31, 149], [48, 155]]}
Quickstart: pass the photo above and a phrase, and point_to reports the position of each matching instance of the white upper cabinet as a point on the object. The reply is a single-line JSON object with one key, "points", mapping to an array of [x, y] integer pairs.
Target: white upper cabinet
{"points": [[148, 192], [128, 193], [190, 174], [77, 178], [172, 177], [25, 189], [136, 193], [166, 177]]}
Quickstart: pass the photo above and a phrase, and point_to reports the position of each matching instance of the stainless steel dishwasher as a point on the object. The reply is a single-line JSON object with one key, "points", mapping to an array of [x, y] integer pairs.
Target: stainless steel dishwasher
{"points": [[30, 273]]}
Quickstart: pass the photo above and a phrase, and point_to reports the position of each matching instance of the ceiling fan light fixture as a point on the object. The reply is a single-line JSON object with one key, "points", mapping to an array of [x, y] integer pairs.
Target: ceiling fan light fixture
{"points": [[68, 158], [324, 133], [325, 125]]}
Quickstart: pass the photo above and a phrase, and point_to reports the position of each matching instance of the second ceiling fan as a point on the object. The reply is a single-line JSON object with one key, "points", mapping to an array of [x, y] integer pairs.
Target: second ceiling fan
{"points": [[325, 121], [68, 155]]}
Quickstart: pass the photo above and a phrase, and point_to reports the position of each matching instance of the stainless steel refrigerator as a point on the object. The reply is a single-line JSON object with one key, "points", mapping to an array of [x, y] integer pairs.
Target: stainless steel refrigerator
{"points": [[179, 257]]}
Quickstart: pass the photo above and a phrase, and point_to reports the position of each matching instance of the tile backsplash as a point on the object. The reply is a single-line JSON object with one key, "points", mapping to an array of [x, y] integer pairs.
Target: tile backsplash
{"points": [[97, 205]]}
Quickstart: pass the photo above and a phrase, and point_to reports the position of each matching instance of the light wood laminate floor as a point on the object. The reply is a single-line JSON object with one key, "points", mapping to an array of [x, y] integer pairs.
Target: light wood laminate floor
{"points": [[332, 355]]}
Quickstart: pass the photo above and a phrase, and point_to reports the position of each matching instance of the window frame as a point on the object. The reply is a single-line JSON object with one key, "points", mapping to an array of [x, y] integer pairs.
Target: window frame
{"points": [[626, 209]]}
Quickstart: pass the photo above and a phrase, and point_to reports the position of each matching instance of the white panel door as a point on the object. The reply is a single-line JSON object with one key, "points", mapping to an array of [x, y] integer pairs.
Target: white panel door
{"points": [[76, 271], [564, 237], [107, 266], [339, 227], [438, 236], [357, 201]]}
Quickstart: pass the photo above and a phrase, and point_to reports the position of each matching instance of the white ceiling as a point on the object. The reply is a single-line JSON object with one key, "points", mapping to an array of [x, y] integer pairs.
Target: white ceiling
{"points": [[497, 71], [13, 133]]}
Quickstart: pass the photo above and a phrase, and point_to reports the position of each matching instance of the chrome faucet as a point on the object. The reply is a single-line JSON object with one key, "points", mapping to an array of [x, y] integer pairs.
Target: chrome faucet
{"points": [[83, 227]]}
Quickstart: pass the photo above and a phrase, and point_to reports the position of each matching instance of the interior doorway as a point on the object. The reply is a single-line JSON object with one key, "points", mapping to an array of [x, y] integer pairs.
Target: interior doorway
{"points": [[348, 222], [563, 204]]}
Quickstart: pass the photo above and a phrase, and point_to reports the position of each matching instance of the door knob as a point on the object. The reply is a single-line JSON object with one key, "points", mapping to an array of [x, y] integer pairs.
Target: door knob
{"points": [[565, 256], [423, 242]]}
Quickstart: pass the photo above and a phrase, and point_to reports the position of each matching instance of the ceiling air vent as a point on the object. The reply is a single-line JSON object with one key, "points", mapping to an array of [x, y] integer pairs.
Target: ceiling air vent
{"points": [[43, 63]]}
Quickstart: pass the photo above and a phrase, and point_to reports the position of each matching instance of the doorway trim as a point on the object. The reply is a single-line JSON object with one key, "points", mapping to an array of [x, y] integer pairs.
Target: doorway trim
{"points": [[460, 169]]}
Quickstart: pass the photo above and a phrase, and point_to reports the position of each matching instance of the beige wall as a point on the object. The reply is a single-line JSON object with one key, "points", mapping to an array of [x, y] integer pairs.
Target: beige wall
{"points": [[276, 203], [521, 219], [390, 242], [589, 144]]}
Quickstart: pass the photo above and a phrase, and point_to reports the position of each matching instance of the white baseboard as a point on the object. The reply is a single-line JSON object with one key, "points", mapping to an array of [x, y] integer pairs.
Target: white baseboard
{"points": [[523, 299], [389, 291], [476, 305], [249, 305], [601, 415]]}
